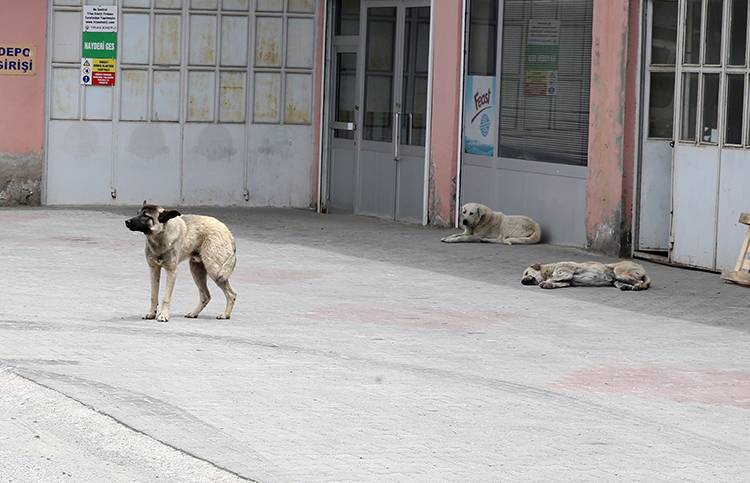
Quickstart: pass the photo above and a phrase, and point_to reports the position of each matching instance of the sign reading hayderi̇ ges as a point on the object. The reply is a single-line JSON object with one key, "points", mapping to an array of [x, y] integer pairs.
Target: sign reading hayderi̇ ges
{"points": [[479, 115], [542, 57], [17, 59], [99, 50]]}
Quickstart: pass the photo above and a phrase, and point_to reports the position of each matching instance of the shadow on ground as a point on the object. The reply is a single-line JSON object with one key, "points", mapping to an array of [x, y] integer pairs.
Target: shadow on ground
{"points": [[676, 292]]}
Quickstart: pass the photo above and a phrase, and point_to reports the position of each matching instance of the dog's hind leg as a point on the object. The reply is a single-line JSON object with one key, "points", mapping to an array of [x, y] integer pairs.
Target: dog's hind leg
{"points": [[231, 296], [220, 275], [198, 270], [630, 280]]}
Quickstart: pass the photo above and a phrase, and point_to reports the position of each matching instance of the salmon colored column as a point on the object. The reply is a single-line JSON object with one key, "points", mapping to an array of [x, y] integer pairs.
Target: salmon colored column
{"points": [[22, 111], [446, 102], [612, 125]]}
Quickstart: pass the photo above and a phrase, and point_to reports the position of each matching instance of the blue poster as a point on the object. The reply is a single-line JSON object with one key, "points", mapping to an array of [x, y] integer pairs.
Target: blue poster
{"points": [[479, 115]]}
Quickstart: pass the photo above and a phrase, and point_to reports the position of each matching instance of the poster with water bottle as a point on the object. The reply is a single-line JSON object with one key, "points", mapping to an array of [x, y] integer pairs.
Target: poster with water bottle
{"points": [[479, 115]]}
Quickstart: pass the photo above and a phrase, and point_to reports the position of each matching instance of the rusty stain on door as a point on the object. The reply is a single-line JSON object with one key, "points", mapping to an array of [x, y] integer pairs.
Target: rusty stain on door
{"points": [[167, 39], [268, 42], [266, 102], [202, 40], [232, 97]]}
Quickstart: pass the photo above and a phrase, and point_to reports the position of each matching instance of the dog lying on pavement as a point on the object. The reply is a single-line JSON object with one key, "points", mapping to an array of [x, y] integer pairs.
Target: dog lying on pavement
{"points": [[172, 238], [625, 275], [481, 224]]}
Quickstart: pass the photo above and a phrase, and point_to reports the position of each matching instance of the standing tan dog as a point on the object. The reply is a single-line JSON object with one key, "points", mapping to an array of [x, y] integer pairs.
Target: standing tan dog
{"points": [[172, 238], [481, 224], [624, 275]]}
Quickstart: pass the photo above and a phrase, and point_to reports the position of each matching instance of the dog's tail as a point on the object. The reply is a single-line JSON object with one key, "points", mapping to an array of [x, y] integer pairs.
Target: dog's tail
{"points": [[228, 266]]}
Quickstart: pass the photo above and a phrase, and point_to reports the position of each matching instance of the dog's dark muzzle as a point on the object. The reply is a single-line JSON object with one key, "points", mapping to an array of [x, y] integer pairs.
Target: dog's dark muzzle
{"points": [[528, 281], [465, 222], [134, 224]]}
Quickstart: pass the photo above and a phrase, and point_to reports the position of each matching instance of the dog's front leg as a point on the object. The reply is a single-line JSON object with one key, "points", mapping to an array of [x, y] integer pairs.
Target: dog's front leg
{"points": [[171, 276], [462, 238], [155, 273], [559, 279]]}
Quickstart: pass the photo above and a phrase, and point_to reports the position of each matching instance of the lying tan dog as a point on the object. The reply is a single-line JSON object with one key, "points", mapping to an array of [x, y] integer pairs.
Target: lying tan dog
{"points": [[172, 238], [481, 224], [624, 275]]}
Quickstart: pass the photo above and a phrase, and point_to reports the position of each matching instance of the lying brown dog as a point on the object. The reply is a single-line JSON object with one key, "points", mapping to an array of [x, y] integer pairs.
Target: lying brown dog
{"points": [[624, 275]]}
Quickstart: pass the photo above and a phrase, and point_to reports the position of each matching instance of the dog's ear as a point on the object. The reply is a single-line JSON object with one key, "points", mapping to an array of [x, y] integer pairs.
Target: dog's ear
{"points": [[165, 216], [481, 212], [144, 203], [537, 266]]}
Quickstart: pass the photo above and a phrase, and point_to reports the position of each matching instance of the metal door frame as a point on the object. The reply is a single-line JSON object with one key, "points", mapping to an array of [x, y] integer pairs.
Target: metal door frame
{"points": [[398, 64], [333, 45], [723, 69]]}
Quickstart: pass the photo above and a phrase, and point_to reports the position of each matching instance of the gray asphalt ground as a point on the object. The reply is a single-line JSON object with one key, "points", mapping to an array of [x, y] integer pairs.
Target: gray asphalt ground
{"points": [[359, 350]]}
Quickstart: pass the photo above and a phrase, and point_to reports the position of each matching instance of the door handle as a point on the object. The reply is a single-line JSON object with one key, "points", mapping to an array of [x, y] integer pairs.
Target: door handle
{"points": [[397, 139], [671, 143], [411, 127], [343, 126]]}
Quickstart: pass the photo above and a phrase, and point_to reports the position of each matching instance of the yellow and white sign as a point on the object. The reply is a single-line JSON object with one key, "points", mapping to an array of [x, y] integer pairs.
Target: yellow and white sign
{"points": [[17, 59]]}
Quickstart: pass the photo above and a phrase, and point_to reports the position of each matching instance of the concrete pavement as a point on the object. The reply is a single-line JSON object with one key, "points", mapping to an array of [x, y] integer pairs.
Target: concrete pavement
{"points": [[365, 350]]}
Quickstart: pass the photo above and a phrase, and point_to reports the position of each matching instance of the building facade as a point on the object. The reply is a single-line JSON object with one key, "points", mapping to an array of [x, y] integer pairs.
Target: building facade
{"points": [[620, 125]]}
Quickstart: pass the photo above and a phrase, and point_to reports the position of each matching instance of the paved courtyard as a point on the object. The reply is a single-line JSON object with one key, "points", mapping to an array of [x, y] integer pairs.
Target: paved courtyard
{"points": [[359, 350]]}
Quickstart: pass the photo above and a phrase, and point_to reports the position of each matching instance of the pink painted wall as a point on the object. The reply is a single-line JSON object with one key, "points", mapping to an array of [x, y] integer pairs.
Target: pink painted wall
{"points": [[446, 103], [609, 184], [22, 114]]}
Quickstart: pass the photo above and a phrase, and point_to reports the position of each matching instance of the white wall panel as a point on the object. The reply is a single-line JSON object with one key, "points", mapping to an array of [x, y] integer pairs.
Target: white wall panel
{"points": [[97, 103], [186, 140], [134, 38], [166, 97], [303, 6], [167, 30], [204, 4], [236, 4], [65, 93], [270, 5], [299, 49], [298, 99], [268, 39], [133, 95], [200, 103], [734, 198], [267, 97], [78, 167], [202, 40], [232, 97], [168, 3], [234, 41], [66, 44], [279, 167], [136, 3], [148, 163], [213, 164]]}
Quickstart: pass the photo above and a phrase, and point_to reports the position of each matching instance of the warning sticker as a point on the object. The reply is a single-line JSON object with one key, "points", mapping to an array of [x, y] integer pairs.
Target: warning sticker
{"points": [[97, 72], [103, 79], [103, 65]]}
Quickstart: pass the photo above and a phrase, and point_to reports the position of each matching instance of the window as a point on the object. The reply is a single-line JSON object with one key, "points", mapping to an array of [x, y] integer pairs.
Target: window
{"points": [[545, 80], [482, 37], [283, 61], [661, 76]]}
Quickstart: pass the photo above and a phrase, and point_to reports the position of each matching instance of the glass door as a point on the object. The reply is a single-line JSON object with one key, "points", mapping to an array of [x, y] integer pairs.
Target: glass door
{"points": [[394, 63], [343, 129]]}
